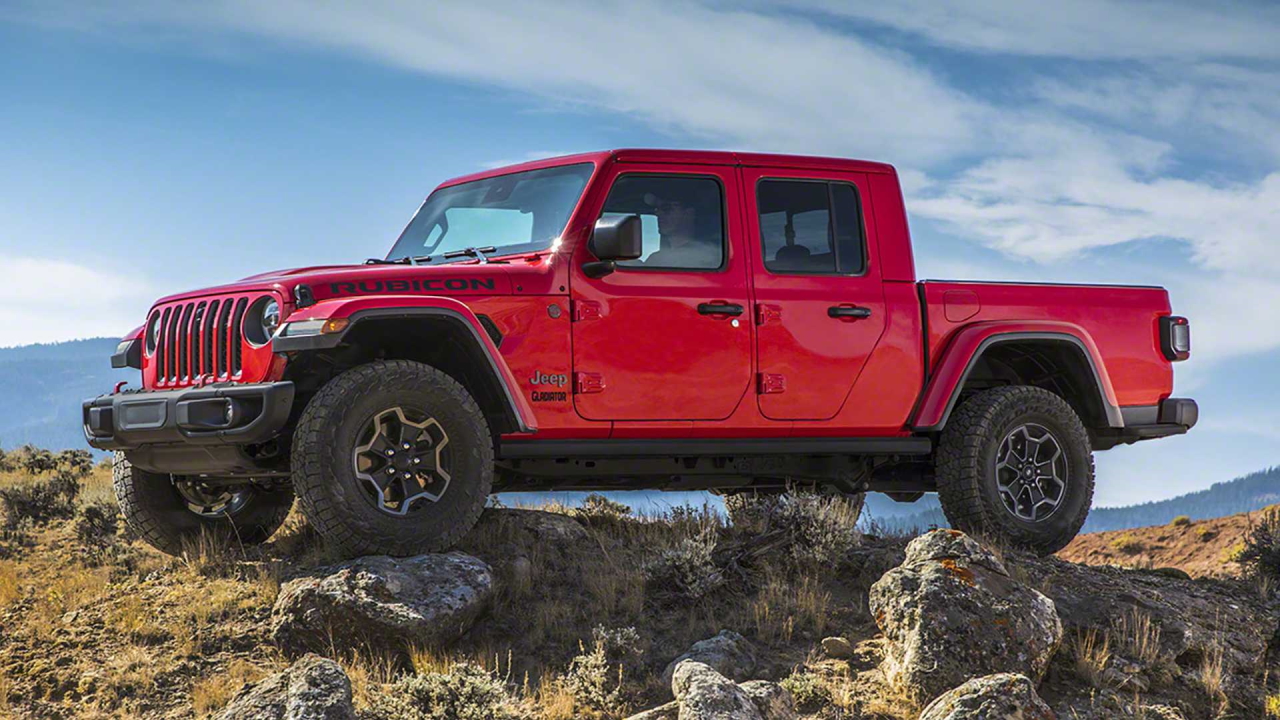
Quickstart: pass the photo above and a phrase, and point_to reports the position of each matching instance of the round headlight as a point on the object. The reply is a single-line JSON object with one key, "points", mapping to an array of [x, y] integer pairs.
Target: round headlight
{"points": [[271, 317], [262, 321], [153, 332]]}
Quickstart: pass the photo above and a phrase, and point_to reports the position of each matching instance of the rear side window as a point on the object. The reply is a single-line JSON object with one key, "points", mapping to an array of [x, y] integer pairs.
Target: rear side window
{"points": [[811, 227]]}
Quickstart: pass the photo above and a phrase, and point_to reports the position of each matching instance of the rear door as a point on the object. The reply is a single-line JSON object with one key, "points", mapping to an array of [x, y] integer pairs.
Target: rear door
{"points": [[820, 307], [668, 336]]}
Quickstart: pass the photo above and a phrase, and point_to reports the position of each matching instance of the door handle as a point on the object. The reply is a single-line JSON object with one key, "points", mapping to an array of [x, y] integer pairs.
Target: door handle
{"points": [[719, 309], [844, 311]]}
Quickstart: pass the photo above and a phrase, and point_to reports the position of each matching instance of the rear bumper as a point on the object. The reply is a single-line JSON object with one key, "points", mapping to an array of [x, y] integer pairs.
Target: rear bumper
{"points": [[215, 415], [1173, 416]]}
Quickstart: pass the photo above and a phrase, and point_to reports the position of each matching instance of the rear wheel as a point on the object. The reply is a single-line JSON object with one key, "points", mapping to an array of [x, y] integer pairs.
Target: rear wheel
{"points": [[1015, 463], [393, 457], [168, 511]]}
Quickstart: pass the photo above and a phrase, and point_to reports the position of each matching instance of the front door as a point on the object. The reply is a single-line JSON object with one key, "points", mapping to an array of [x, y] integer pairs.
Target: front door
{"points": [[668, 336], [820, 307]]}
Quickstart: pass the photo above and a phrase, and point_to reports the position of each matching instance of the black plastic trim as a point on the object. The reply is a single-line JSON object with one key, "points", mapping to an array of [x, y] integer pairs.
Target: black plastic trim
{"points": [[130, 420], [684, 447], [306, 343], [1114, 417], [130, 357]]}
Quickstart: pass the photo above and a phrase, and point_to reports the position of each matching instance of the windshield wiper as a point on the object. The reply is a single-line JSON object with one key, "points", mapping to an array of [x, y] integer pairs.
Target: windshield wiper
{"points": [[408, 260], [475, 252]]}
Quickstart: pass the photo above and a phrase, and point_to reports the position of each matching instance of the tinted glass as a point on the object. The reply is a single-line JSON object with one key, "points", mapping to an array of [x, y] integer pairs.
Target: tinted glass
{"points": [[810, 227], [516, 213], [682, 219]]}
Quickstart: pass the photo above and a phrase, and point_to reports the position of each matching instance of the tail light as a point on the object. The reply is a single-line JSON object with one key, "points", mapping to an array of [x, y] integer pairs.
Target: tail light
{"points": [[1175, 337]]}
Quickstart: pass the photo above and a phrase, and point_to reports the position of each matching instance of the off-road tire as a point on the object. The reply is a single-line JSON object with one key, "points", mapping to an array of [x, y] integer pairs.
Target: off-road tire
{"points": [[966, 467], [155, 511], [337, 503]]}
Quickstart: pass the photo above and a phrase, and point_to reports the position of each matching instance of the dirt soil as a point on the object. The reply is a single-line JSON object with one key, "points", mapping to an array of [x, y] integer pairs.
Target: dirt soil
{"points": [[1201, 548]]}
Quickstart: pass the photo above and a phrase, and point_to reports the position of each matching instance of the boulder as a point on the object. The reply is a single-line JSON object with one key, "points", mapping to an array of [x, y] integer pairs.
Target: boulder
{"points": [[669, 711], [1005, 696], [772, 700], [951, 611], [837, 647], [382, 602], [727, 652], [704, 694], [313, 688]]}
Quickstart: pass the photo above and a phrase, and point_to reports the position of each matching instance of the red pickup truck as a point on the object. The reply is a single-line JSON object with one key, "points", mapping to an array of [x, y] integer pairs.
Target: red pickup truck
{"points": [[665, 319]]}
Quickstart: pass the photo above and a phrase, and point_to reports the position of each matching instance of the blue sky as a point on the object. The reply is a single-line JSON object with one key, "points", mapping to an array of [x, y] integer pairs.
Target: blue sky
{"points": [[153, 146]]}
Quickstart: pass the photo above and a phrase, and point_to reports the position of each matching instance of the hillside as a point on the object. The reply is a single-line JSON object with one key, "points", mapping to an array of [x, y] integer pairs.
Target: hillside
{"points": [[1241, 495], [587, 613], [1201, 548], [42, 386]]}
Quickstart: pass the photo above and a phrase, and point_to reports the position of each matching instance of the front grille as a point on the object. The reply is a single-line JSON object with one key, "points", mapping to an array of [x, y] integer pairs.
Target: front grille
{"points": [[199, 339]]}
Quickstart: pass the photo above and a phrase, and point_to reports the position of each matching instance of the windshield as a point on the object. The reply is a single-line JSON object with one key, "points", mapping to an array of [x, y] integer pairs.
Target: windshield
{"points": [[517, 213]]}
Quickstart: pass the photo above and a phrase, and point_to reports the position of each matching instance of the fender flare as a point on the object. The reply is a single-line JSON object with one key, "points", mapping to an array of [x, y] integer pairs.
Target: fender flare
{"points": [[967, 347], [363, 309]]}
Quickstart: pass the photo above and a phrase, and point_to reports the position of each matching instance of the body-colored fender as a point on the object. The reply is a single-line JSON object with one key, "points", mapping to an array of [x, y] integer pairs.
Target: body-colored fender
{"points": [[361, 309], [967, 347]]}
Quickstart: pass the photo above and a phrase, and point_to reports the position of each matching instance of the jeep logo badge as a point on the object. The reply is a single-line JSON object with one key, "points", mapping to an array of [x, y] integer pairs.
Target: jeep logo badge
{"points": [[541, 378]]}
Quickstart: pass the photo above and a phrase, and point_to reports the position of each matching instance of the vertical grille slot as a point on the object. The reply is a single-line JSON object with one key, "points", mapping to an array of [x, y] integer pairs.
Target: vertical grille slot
{"points": [[184, 343], [206, 336], [224, 364], [197, 344], [162, 345], [236, 335], [173, 343]]}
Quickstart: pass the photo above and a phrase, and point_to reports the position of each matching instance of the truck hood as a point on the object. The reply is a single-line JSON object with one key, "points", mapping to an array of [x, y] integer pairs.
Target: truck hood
{"points": [[329, 281]]}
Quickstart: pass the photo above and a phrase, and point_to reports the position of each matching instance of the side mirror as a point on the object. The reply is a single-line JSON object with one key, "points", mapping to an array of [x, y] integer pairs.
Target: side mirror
{"points": [[613, 239]]}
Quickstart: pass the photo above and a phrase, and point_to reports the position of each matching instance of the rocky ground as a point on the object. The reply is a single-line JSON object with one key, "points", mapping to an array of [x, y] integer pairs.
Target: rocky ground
{"points": [[596, 613], [1200, 547]]}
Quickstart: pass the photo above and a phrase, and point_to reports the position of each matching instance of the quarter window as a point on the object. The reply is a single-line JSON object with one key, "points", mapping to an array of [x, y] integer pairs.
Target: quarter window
{"points": [[682, 219], [811, 227]]}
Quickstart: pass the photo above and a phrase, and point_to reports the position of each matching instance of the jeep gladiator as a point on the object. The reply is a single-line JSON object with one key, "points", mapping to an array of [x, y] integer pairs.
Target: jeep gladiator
{"points": [[733, 322]]}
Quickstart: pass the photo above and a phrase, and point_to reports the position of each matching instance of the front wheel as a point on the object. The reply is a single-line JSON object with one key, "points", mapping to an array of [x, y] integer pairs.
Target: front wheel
{"points": [[170, 511], [392, 458], [1015, 463]]}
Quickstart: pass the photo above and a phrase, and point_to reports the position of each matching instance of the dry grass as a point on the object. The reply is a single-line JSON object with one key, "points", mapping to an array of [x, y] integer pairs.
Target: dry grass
{"points": [[127, 674], [369, 674], [1090, 654], [136, 619], [10, 590], [785, 605], [1138, 636], [1127, 543], [212, 693], [1273, 706]]}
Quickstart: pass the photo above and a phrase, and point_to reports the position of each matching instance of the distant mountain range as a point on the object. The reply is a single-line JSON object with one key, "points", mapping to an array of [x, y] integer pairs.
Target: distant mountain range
{"points": [[1244, 494], [41, 387]]}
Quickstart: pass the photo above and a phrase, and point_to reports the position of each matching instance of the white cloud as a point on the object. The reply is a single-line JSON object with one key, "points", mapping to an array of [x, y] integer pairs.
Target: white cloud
{"points": [[44, 300], [1105, 29]]}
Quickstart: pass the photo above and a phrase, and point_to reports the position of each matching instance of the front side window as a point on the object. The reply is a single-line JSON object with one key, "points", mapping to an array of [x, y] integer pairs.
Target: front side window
{"points": [[810, 227], [516, 213], [682, 219]]}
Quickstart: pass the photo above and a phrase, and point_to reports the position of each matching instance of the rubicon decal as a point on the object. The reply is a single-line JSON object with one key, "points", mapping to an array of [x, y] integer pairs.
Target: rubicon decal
{"points": [[369, 287]]}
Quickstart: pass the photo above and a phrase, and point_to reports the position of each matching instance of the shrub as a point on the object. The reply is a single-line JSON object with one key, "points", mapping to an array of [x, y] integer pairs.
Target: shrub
{"points": [[1181, 521], [686, 569], [598, 507], [1205, 533], [40, 500], [594, 678], [466, 692], [96, 528], [1260, 553], [822, 528], [807, 689], [1127, 543]]}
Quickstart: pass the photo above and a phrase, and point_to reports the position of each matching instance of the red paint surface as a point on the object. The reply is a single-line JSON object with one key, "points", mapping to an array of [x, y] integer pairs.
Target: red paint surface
{"points": [[669, 372]]}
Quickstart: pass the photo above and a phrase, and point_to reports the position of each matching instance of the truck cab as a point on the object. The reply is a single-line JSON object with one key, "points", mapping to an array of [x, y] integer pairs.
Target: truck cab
{"points": [[735, 322]]}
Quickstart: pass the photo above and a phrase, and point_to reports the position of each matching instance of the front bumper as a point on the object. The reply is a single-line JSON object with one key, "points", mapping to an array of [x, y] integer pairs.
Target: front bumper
{"points": [[215, 415]]}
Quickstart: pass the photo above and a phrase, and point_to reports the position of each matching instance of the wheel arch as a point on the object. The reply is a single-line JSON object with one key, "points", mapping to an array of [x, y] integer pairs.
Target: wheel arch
{"points": [[1058, 357], [440, 332]]}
